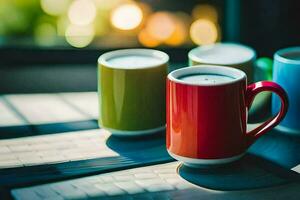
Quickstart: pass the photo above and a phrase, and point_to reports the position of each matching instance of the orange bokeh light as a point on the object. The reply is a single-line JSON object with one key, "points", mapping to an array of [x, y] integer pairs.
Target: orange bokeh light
{"points": [[147, 40]]}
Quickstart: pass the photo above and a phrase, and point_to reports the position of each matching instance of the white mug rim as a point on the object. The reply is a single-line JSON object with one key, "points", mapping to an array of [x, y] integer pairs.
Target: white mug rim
{"points": [[280, 55], [236, 74], [137, 51], [193, 57]]}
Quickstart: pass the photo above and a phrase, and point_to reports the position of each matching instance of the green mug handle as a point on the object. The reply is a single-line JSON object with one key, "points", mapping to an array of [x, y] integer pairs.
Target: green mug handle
{"points": [[265, 66]]}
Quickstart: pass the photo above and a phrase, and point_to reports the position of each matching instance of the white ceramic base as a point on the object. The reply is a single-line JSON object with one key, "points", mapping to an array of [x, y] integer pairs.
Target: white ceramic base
{"points": [[134, 133], [287, 130], [198, 163]]}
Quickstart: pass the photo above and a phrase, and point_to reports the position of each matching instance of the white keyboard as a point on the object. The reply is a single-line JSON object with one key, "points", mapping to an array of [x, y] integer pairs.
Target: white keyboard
{"points": [[54, 148], [45, 108], [153, 182]]}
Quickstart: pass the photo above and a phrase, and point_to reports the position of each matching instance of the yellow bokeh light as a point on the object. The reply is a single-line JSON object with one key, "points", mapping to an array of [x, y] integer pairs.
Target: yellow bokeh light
{"points": [[127, 17], [79, 36], [161, 25], [55, 7], [147, 40], [82, 12], [205, 11], [203, 32]]}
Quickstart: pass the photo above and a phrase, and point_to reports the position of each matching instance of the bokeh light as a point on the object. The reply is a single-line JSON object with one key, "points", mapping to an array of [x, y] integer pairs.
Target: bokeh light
{"points": [[107, 4], [110, 21], [62, 24], [127, 16], [79, 36], [45, 34], [147, 40], [102, 23], [160, 25], [55, 7], [203, 32], [180, 33], [205, 11], [82, 12]]}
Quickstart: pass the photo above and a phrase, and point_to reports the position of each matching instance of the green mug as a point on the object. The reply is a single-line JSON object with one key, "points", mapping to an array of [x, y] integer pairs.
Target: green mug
{"points": [[226, 54], [131, 90]]}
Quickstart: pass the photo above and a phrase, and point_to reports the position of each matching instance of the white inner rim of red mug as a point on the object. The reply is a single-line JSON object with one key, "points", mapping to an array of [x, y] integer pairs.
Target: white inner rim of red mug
{"points": [[163, 57], [235, 74]]}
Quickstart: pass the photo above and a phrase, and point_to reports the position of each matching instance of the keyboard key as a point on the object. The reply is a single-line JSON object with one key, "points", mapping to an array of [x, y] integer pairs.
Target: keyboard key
{"points": [[110, 189], [130, 187], [159, 188], [46, 192], [149, 182], [68, 191], [145, 175], [91, 190]]}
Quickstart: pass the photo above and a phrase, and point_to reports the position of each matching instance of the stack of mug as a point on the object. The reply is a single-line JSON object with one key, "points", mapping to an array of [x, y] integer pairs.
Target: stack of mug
{"points": [[204, 108]]}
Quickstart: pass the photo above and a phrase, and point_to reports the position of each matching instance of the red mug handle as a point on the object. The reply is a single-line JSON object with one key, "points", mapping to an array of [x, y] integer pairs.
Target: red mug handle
{"points": [[252, 91]]}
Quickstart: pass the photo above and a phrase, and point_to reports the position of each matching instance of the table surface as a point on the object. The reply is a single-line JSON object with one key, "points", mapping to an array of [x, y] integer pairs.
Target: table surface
{"points": [[51, 148]]}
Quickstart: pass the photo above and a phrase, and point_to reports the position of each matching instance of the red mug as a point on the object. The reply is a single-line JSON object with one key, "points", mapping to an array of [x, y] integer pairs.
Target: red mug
{"points": [[207, 108]]}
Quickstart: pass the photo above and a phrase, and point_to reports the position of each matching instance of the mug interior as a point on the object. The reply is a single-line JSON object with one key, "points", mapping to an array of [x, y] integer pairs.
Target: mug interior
{"points": [[235, 74], [289, 55], [158, 58]]}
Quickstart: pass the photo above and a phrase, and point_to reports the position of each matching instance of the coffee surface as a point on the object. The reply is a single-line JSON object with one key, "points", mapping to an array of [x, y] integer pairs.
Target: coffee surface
{"points": [[134, 61], [206, 79]]}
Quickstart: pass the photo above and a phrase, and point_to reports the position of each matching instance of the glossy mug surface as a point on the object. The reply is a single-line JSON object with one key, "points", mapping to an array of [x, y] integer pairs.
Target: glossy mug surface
{"points": [[226, 54], [207, 114], [286, 72], [131, 89]]}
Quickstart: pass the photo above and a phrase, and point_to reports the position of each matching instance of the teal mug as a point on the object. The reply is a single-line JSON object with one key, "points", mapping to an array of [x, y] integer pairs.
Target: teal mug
{"points": [[286, 72]]}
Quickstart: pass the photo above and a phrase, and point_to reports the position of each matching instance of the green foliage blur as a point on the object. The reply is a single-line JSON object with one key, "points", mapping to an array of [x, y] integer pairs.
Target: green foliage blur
{"points": [[20, 17]]}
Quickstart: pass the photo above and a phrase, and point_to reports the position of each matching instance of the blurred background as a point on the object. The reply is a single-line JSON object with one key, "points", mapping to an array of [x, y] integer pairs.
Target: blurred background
{"points": [[110, 23], [54, 32]]}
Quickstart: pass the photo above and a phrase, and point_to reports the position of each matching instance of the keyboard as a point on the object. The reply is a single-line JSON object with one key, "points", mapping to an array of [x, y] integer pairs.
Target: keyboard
{"points": [[35, 114], [45, 108], [54, 148], [152, 182]]}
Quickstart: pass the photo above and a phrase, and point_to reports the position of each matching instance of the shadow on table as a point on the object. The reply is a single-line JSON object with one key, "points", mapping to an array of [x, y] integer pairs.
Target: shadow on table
{"points": [[142, 148], [267, 163], [44, 129], [278, 147], [251, 172]]}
